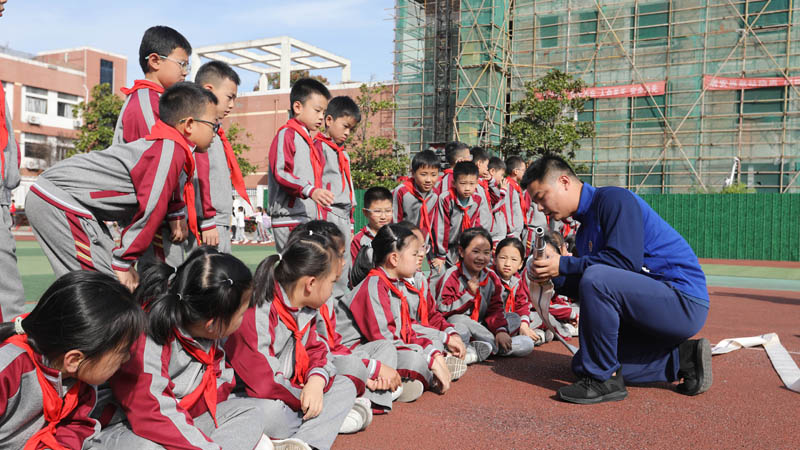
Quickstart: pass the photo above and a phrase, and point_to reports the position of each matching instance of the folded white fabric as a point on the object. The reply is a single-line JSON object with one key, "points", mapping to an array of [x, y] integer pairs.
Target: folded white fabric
{"points": [[781, 359]]}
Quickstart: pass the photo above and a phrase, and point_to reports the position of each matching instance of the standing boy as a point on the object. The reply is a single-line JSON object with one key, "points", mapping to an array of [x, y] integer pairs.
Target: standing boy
{"points": [[12, 297], [517, 209], [296, 194], [414, 200], [378, 210], [132, 182], [454, 152]]}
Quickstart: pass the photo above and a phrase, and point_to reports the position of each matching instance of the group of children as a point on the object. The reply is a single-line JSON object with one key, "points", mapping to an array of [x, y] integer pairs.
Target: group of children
{"points": [[198, 352]]}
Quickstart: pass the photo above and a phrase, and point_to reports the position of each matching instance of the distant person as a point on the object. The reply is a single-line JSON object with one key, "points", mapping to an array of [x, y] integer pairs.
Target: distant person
{"points": [[240, 225]]}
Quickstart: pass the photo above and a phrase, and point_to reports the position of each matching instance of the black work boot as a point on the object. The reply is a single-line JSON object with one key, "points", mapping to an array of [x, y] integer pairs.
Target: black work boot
{"points": [[695, 366], [588, 390]]}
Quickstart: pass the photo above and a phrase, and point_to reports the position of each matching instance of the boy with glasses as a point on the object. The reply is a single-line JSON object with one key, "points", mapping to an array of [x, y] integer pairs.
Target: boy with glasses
{"points": [[378, 211]]}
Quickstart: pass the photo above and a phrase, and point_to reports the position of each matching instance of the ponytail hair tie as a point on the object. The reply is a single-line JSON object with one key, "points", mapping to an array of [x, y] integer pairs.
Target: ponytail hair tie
{"points": [[172, 276], [310, 232], [280, 257], [18, 325], [229, 281], [180, 297]]}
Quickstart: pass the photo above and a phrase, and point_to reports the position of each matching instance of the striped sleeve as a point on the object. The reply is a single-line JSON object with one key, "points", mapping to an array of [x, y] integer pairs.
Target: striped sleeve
{"points": [[205, 210], [515, 215], [140, 115], [284, 154], [397, 204], [495, 319], [11, 176], [441, 227]]}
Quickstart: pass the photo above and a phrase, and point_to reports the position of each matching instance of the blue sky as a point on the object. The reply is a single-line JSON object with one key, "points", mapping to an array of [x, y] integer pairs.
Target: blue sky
{"points": [[360, 30]]}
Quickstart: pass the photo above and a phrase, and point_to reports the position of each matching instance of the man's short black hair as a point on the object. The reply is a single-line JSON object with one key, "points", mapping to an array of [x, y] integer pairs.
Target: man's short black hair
{"points": [[213, 72], [452, 149], [376, 193], [343, 106], [182, 100], [496, 163], [304, 88], [478, 154], [161, 40], [425, 158], [465, 168], [545, 166], [514, 162]]}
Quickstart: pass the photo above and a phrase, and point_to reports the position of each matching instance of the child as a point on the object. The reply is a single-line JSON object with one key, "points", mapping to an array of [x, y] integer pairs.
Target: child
{"points": [[341, 118], [174, 390], [223, 167], [497, 191], [562, 309], [471, 294], [414, 199], [454, 153], [296, 194], [12, 297], [517, 209], [378, 210], [459, 209], [129, 183], [240, 224], [277, 353], [77, 335], [533, 219], [378, 310]]}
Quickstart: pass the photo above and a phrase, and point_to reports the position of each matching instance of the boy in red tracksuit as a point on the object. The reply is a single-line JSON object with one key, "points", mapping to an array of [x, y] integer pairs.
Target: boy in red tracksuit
{"points": [[414, 200]]}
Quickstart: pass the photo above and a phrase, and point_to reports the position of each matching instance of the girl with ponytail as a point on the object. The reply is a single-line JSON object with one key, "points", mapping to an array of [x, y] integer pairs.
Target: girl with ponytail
{"points": [[174, 390], [78, 335], [277, 352]]}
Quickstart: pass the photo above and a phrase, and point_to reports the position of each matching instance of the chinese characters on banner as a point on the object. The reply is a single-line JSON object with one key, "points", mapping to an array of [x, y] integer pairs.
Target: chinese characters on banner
{"points": [[628, 90], [713, 83]]}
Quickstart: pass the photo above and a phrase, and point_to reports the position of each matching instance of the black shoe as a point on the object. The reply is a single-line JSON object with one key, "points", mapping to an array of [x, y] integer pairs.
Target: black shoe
{"points": [[587, 390], [695, 366]]}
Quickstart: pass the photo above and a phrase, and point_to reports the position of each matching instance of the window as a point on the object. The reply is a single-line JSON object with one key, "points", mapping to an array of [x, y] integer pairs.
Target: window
{"points": [[36, 146], [548, 31], [587, 28], [645, 113], [653, 26], [775, 13], [66, 104], [107, 72], [587, 115], [766, 103], [35, 100]]}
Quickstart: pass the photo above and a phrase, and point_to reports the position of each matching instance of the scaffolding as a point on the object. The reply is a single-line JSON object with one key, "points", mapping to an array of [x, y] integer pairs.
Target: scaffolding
{"points": [[682, 141]]}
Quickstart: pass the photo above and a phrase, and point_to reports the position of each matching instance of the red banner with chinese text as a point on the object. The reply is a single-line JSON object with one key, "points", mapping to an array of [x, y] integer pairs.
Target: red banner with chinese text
{"points": [[627, 90], [713, 83]]}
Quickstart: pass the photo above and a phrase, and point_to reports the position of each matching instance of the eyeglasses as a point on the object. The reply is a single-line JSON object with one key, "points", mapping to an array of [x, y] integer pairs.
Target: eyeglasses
{"points": [[214, 125], [184, 65], [379, 212]]}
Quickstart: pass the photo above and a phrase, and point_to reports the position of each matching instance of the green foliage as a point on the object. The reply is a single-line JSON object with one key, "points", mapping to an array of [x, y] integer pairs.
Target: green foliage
{"points": [[546, 122], [737, 188], [375, 160], [99, 119], [236, 134]]}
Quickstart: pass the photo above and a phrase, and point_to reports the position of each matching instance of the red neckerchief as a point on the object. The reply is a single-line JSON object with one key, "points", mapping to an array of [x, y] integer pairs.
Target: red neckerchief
{"points": [[405, 315], [163, 131], [329, 328], [317, 164], [424, 218], [344, 164], [143, 84], [301, 361], [233, 165], [422, 308], [54, 407], [476, 309], [512, 291], [3, 132], [207, 389], [368, 232], [466, 221]]}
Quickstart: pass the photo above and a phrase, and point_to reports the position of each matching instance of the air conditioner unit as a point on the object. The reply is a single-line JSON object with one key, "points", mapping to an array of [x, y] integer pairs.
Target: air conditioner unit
{"points": [[34, 119], [76, 123]]}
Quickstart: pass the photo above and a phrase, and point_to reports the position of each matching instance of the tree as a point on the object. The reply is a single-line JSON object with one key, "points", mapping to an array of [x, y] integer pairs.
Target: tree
{"points": [[375, 160], [99, 119], [274, 79], [236, 135], [547, 122]]}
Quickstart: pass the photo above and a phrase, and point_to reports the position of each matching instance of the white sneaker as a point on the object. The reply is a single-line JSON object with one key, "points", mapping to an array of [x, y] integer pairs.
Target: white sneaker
{"points": [[290, 444], [472, 356], [412, 390], [397, 393], [358, 418], [245, 241], [482, 349], [456, 365], [571, 329]]}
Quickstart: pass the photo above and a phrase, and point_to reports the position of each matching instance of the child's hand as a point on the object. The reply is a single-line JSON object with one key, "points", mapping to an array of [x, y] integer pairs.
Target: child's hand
{"points": [[210, 237], [311, 397], [438, 264], [322, 197], [503, 341], [456, 346], [129, 279], [472, 285], [178, 230], [388, 372], [503, 184], [441, 372], [525, 330]]}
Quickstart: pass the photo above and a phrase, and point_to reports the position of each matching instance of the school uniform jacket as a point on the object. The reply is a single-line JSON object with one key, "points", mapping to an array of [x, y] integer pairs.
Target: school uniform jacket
{"points": [[291, 179], [129, 183], [407, 202], [449, 220], [445, 182], [261, 352], [497, 199], [453, 297], [139, 112], [149, 387], [212, 184], [520, 303], [21, 410], [374, 314], [515, 212], [9, 168], [336, 177], [436, 321], [362, 238]]}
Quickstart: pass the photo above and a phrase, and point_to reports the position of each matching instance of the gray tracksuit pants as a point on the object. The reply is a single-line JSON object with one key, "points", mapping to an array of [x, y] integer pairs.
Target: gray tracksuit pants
{"points": [[12, 296]]}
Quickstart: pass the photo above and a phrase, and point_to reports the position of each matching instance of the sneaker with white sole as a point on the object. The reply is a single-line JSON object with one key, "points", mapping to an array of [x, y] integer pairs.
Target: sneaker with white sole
{"points": [[397, 393], [471, 357], [482, 349], [456, 365], [290, 444], [412, 390], [359, 417]]}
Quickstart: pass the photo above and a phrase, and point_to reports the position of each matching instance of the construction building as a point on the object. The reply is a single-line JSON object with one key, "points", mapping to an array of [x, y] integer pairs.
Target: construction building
{"points": [[677, 89]]}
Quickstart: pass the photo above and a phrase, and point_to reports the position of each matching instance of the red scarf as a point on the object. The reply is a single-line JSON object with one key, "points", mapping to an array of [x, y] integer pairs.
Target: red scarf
{"points": [[424, 215], [233, 165], [512, 292], [3, 132], [317, 164], [405, 315], [143, 84], [54, 407], [476, 309], [163, 131], [207, 389], [329, 328], [466, 221], [422, 308], [344, 163], [301, 361]]}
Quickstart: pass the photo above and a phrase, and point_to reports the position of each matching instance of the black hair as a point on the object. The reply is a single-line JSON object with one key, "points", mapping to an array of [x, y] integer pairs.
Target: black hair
{"points": [[208, 285], [319, 227], [514, 162], [496, 163], [555, 239], [512, 241], [307, 254], [465, 168], [375, 194], [213, 72], [471, 233], [545, 166], [392, 237], [86, 311], [304, 88], [161, 40], [342, 106], [452, 149], [425, 158], [478, 154], [182, 100], [570, 242]]}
